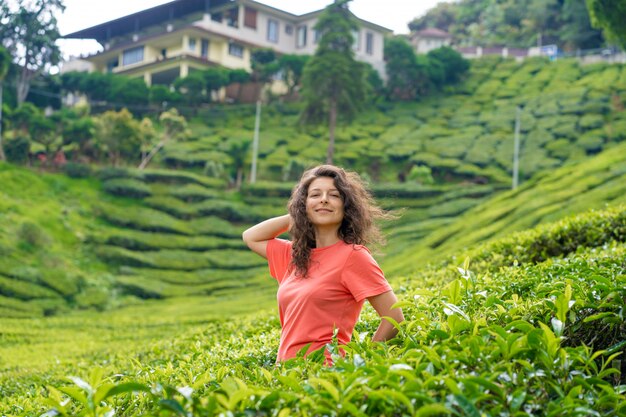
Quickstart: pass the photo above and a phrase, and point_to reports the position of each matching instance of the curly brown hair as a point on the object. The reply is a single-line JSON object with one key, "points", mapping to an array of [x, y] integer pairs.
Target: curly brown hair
{"points": [[360, 212]]}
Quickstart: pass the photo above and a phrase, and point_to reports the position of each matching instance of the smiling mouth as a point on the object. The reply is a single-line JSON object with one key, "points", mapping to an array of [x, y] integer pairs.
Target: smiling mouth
{"points": [[324, 210]]}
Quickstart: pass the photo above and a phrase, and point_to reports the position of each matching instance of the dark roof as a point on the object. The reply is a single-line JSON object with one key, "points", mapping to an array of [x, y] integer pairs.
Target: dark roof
{"points": [[432, 33], [149, 17]]}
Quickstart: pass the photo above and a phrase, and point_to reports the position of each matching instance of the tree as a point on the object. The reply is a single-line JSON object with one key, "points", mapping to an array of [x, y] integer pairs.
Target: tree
{"points": [[292, 66], [30, 122], [174, 128], [453, 64], [403, 71], [129, 91], [78, 130], [239, 150], [119, 134], [442, 16], [161, 96], [264, 65], [239, 77], [576, 31], [610, 16], [192, 88], [214, 79], [334, 83], [29, 34], [5, 63]]}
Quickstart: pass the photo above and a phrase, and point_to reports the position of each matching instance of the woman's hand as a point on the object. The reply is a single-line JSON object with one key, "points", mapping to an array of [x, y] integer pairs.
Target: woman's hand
{"points": [[382, 304]]}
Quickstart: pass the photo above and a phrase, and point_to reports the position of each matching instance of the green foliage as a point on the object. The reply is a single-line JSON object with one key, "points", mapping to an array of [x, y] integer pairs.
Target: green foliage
{"points": [[264, 64], [334, 83], [126, 187], [453, 64], [31, 235], [17, 148], [29, 33], [467, 332], [292, 66], [507, 23], [77, 170], [588, 230], [608, 15], [406, 79], [120, 134]]}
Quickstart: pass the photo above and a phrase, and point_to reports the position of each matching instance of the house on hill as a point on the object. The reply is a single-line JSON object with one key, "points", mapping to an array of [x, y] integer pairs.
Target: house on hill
{"points": [[176, 38], [426, 40]]}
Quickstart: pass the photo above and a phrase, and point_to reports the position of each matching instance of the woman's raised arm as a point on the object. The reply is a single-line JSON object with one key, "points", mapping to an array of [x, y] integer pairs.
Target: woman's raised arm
{"points": [[257, 236]]}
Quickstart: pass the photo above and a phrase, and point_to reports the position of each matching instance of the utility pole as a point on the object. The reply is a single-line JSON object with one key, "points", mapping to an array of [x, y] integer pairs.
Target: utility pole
{"points": [[518, 113], [255, 142]]}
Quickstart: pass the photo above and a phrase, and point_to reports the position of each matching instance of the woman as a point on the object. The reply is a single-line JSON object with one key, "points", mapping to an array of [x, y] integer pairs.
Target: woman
{"points": [[325, 274]]}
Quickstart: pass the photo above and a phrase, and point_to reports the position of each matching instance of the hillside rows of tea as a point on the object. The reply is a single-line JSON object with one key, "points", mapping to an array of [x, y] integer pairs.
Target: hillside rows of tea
{"points": [[569, 111], [533, 334], [133, 235], [206, 365], [72, 244], [165, 290]]}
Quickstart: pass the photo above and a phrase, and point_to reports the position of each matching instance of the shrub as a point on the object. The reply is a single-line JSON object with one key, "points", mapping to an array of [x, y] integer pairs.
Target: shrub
{"points": [[24, 290], [77, 170], [560, 148], [60, 280], [591, 141], [33, 235], [137, 240], [126, 187], [591, 229], [591, 121], [181, 177], [267, 189], [110, 173], [143, 219], [421, 174], [17, 148]]}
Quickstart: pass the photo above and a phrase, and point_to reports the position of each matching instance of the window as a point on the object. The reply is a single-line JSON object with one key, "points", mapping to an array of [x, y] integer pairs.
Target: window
{"points": [[357, 40], [204, 48], [369, 43], [235, 49], [249, 17], [192, 44], [301, 37], [132, 56], [112, 64], [232, 17], [272, 30], [316, 36], [163, 53], [289, 29]]}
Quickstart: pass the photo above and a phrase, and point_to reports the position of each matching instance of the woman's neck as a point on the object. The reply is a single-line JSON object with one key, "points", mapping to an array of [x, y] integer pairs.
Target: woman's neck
{"points": [[325, 238]]}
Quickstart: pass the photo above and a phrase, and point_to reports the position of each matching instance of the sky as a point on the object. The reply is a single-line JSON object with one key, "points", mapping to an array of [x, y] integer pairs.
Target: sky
{"points": [[81, 14]]}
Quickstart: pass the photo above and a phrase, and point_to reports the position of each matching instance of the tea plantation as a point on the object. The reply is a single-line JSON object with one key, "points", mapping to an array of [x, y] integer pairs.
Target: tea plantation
{"points": [[131, 293], [569, 111]]}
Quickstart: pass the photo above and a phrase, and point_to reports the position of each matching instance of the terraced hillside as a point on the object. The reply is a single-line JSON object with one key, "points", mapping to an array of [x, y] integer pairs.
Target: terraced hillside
{"points": [[536, 334], [570, 189], [77, 244], [568, 112]]}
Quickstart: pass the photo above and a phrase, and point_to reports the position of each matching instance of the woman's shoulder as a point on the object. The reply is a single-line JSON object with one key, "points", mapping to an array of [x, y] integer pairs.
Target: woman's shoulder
{"points": [[355, 250], [278, 244]]}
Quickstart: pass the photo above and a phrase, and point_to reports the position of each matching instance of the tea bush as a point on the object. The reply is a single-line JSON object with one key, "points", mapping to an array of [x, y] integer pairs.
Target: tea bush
{"points": [[126, 187]]}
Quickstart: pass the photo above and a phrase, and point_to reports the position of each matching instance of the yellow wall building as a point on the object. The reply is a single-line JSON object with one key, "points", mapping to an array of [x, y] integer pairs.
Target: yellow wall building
{"points": [[173, 39]]}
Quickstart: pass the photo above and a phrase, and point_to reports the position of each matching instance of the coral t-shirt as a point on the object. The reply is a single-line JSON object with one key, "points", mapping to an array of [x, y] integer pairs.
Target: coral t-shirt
{"points": [[340, 277]]}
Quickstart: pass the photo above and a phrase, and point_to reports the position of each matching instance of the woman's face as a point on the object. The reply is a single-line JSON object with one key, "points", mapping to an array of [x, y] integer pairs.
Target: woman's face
{"points": [[324, 204]]}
